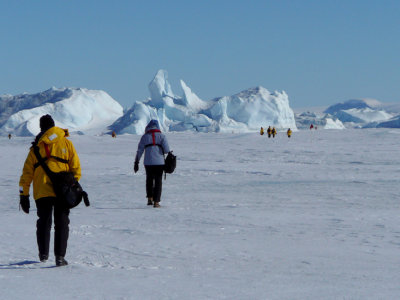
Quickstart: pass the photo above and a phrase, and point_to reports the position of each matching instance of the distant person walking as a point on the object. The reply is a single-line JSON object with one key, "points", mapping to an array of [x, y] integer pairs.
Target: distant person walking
{"points": [[274, 132], [269, 131], [9, 136], [60, 155], [311, 126], [262, 131], [155, 145], [289, 133]]}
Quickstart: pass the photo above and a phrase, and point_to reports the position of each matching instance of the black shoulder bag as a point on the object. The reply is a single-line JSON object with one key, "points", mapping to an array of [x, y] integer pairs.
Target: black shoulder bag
{"points": [[65, 185], [169, 161]]}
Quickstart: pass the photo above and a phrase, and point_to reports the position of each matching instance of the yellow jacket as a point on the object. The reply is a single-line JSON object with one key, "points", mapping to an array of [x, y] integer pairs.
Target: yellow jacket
{"points": [[60, 147]]}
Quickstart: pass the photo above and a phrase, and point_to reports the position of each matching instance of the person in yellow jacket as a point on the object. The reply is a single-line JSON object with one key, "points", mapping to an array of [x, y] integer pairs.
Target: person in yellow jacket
{"points": [[289, 133], [60, 155], [269, 131], [274, 132], [262, 131]]}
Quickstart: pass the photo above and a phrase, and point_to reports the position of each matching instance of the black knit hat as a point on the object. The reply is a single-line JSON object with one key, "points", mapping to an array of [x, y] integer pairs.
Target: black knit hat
{"points": [[46, 122]]}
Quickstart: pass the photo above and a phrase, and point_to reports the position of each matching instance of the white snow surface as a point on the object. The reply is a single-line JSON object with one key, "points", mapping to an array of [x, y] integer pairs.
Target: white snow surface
{"points": [[83, 110], [243, 217], [244, 112]]}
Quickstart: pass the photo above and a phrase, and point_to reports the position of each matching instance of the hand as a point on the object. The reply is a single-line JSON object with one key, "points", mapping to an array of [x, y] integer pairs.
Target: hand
{"points": [[136, 166], [24, 203], [86, 198]]}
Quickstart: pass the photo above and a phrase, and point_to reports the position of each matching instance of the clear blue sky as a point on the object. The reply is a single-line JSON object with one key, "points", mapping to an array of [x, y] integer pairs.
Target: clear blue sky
{"points": [[319, 52]]}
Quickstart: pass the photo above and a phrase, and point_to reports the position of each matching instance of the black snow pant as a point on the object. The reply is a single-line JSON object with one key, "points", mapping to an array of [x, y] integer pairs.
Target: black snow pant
{"points": [[154, 181], [43, 225]]}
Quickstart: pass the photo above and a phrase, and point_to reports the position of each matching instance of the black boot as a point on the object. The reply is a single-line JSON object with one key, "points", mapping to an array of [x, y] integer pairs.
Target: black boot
{"points": [[60, 261], [43, 257]]}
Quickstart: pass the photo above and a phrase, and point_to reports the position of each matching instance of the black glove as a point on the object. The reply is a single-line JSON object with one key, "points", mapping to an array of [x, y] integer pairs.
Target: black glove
{"points": [[136, 167], [24, 203]]}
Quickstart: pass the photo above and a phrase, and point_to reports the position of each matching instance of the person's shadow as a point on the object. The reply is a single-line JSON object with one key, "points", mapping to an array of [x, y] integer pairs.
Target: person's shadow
{"points": [[25, 264]]}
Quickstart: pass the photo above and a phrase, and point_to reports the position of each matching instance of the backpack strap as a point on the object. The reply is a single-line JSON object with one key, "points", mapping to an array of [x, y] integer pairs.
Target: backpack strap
{"points": [[61, 160], [151, 145], [46, 148], [153, 131], [43, 164], [48, 156]]}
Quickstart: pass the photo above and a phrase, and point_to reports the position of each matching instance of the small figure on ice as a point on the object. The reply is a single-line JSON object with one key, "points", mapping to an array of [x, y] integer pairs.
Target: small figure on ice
{"points": [[289, 133], [274, 132], [269, 131]]}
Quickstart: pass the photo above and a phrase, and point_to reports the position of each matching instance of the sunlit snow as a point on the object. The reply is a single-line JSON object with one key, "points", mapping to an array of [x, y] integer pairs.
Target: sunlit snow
{"points": [[243, 217]]}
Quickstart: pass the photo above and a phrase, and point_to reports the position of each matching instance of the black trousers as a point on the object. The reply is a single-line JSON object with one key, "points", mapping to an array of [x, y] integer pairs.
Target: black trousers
{"points": [[45, 208], [154, 182]]}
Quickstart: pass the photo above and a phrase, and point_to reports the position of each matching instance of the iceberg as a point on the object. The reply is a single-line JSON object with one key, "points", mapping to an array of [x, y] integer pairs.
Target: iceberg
{"points": [[80, 110], [333, 124], [392, 123], [243, 112], [359, 112], [353, 104], [160, 89], [305, 119]]}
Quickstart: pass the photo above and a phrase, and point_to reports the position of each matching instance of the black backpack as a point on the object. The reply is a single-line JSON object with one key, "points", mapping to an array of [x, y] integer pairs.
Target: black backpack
{"points": [[170, 163]]}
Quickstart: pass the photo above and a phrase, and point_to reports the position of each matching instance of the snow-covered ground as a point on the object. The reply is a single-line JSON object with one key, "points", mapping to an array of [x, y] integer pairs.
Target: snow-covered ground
{"points": [[244, 217]]}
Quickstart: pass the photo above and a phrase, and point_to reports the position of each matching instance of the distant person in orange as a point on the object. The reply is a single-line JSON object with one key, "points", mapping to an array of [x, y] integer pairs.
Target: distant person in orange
{"points": [[113, 134]]}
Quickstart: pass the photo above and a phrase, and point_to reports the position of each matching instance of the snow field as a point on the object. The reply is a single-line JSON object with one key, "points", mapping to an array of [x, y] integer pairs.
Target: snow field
{"points": [[243, 217]]}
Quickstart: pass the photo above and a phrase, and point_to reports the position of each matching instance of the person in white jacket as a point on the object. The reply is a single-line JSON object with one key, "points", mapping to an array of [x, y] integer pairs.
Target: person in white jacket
{"points": [[154, 144]]}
